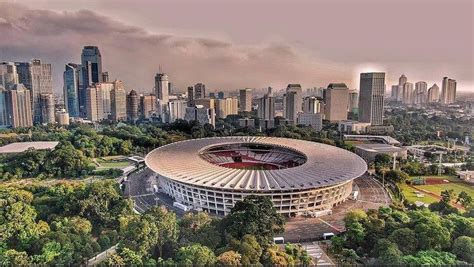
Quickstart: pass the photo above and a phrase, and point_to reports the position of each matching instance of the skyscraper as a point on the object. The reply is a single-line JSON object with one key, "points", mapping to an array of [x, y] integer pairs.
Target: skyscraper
{"points": [[201, 114], [118, 102], [47, 108], [176, 110], [290, 106], [132, 106], [94, 103], [71, 89], [420, 96], [91, 72], [199, 90], [353, 105], [162, 93], [8, 75], [245, 103], [19, 106], [402, 80], [190, 96], [448, 92], [396, 92], [335, 99], [266, 107], [226, 107], [147, 106], [433, 94], [407, 93], [4, 116], [37, 78], [311, 104], [371, 100]]}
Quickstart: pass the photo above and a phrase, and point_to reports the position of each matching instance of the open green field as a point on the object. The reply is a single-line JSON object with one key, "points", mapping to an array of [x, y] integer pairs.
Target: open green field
{"points": [[410, 195], [114, 162], [454, 184]]}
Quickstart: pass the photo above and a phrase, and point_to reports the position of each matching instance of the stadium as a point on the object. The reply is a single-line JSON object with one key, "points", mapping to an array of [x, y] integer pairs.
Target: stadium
{"points": [[212, 174]]}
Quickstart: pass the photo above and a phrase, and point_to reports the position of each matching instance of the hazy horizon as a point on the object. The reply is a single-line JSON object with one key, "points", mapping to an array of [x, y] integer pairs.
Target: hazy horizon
{"points": [[234, 44]]}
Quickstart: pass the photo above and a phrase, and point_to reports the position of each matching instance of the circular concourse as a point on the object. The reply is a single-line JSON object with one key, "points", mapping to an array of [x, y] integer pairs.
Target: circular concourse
{"points": [[212, 174]]}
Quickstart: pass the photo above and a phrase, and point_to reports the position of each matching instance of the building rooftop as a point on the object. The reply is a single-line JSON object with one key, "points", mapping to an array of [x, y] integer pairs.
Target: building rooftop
{"points": [[23, 146], [379, 148], [315, 165], [384, 138]]}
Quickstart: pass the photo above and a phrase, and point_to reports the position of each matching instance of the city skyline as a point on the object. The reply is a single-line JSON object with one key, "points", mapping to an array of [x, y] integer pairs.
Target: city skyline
{"points": [[220, 63]]}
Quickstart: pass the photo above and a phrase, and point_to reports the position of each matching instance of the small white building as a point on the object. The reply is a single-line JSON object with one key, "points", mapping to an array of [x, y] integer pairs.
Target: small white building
{"points": [[350, 126], [315, 120], [467, 176]]}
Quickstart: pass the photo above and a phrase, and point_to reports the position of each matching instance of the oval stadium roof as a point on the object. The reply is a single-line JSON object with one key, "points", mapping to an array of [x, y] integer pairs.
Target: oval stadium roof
{"points": [[325, 166]]}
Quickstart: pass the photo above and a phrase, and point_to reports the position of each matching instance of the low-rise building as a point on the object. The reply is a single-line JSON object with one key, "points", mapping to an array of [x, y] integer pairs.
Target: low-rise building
{"points": [[350, 126], [19, 147], [314, 120], [369, 151]]}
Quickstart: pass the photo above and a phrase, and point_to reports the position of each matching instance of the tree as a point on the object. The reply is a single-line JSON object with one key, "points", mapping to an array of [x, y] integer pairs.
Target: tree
{"points": [[447, 196], [382, 160], [465, 199], [354, 216], [196, 255], [229, 258], [199, 228], [388, 253], [355, 234], [430, 258], [130, 257], [396, 176], [12, 257], [166, 226], [298, 253], [463, 248], [275, 256], [255, 215], [349, 255], [405, 239], [249, 249]]}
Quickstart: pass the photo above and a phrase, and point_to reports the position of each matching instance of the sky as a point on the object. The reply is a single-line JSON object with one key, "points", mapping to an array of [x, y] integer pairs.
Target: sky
{"points": [[230, 44]]}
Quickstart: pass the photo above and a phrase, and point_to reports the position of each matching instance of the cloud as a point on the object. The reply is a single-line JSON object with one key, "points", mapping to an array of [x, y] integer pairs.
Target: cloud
{"points": [[134, 55]]}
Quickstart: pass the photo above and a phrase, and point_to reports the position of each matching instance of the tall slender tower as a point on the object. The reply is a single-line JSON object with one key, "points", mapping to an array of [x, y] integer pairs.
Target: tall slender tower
{"points": [[71, 89], [448, 91], [91, 72], [199, 91], [245, 100], [371, 100]]}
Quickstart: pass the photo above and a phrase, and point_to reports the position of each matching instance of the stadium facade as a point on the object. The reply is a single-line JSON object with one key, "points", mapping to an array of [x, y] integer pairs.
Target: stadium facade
{"points": [[212, 174]]}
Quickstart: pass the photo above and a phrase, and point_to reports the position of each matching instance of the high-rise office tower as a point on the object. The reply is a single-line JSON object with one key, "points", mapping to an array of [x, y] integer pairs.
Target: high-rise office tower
{"points": [[37, 78], [190, 96], [396, 92], [311, 104], [147, 106], [105, 76], [206, 102], [8, 75], [245, 103], [290, 106], [118, 101], [266, 107], [420, 96], [226, 107], [292, 102], [170, 88], [94, 103], [407, 93], [371, 100], [176, 110], [132, 106], [433, 94], [353, 104], [162, 93], [220, 95], [19, 106], [4, 116], [402, 80], [71, 89], [91, 72], [47, 108], [201, 114], [335, 100], [199, 90], [448, 92]]}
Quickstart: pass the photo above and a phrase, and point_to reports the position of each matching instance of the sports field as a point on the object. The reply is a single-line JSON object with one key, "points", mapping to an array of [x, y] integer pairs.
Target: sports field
{"points": [[435, 185]]}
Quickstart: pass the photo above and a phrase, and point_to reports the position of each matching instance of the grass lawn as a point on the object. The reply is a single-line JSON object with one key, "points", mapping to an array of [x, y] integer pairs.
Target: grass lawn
{"points": [[454, 183], [410, 195], [113, 164]]}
